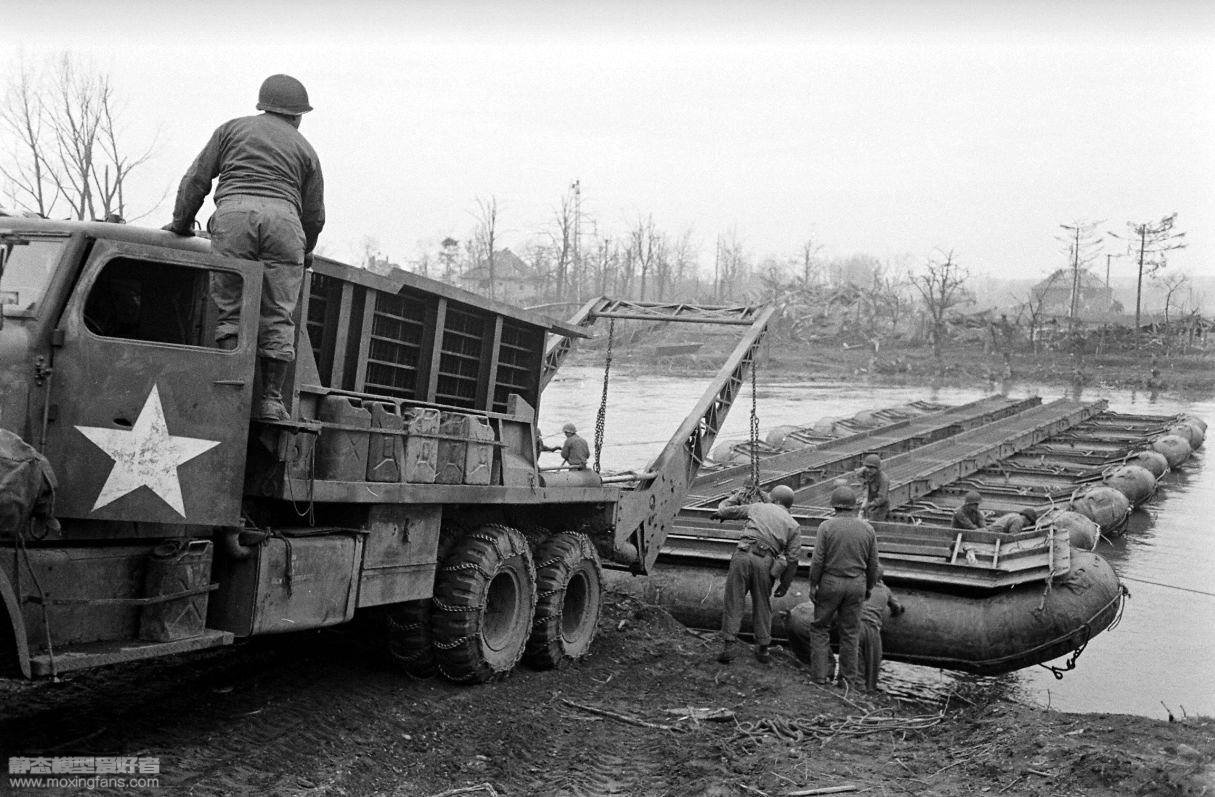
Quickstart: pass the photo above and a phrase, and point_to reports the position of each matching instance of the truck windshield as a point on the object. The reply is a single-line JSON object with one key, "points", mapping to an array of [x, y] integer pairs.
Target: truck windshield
{"points": [[28, 269]]}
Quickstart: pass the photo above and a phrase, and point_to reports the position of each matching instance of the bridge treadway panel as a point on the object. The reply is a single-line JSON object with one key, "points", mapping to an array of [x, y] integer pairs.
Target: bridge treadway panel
{"points": [[926, 468], [835, 457]]}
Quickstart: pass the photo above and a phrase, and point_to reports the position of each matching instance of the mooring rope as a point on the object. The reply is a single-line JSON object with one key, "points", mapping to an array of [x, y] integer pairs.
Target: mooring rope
{"points": [[1168, 586]]}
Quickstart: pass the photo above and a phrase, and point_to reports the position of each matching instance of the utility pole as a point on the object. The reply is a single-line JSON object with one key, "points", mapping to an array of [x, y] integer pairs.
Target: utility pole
{"points": [[577, 186], [603, 270], [1081, 246], [1148, 243], [717, 271]]}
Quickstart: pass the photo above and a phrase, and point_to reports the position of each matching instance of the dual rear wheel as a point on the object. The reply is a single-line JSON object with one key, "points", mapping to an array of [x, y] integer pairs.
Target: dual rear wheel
{"points": [[495, 603]]}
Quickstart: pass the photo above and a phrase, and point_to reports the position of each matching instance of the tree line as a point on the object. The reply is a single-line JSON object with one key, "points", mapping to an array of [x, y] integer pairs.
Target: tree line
{"points": [[68, 154]]}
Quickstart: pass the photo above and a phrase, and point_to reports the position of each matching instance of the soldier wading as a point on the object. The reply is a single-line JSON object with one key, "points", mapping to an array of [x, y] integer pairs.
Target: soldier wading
{"points": [[269, 206]]}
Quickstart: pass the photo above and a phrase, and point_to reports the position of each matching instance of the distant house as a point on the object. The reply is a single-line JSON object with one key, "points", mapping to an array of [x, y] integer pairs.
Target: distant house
{"points": [[1093, 297], [514, 281]]}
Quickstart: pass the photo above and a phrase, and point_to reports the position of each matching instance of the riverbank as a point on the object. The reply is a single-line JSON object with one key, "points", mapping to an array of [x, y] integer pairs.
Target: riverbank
{"points": [[649, 712], [961, 364], [652, 712]]}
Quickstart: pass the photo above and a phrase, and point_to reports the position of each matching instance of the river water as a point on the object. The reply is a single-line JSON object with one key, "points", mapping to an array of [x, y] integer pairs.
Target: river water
{"points": [[1162, 653]]}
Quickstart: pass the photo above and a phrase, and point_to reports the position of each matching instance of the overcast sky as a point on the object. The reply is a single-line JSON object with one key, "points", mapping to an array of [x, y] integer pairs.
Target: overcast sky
{"points": [[884, 128]]}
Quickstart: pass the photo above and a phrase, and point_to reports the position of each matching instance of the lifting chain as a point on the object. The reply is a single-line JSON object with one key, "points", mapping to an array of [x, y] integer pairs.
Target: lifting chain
{"points": [[601, 417], [752, 491], [754, 422]]}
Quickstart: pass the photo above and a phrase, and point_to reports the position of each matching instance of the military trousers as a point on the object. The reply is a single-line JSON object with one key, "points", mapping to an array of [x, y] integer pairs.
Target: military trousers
{"points": [[749, 572], [869, 653], [878, 513], [267, 230], [838, 600]]}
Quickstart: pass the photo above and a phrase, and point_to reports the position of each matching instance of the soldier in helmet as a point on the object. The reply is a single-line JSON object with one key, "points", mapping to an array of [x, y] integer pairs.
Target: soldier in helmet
{"points": [[1015, 522], [768, 549], [843, 572], [574, 451], [269, 207], [876, 486], [968, 515]]}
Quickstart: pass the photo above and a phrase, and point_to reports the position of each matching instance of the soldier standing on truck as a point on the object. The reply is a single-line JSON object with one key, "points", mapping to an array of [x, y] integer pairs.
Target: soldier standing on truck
{"points": [[269, 207], [769, 549]]}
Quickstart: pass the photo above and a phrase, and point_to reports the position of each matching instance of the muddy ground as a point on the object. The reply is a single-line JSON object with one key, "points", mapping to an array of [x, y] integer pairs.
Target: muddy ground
{"points": [[322, 713]]}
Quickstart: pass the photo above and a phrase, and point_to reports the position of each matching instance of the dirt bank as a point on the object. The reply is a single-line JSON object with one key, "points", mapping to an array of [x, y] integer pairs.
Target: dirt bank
{"points": [[319, 713], [895, 363]]}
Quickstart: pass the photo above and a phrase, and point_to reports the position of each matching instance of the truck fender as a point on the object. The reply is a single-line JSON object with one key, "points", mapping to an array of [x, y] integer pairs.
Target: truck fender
{"points": [[12, 631]]}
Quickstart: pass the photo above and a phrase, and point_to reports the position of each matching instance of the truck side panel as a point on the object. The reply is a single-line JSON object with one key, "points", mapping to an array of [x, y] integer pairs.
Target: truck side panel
{"points": [[287, 584], [400, 555]]}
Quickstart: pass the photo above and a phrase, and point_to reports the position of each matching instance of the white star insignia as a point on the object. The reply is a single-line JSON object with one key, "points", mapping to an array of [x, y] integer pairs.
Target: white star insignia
{"points": [[145, 455]]}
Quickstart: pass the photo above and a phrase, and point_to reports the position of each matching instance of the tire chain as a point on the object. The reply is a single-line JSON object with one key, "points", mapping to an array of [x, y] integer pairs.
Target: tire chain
{"points": [[538, 649], [516, 544]]}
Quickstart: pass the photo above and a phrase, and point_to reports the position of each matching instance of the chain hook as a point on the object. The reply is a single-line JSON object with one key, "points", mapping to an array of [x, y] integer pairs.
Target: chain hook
{"points": [[601, 417]]}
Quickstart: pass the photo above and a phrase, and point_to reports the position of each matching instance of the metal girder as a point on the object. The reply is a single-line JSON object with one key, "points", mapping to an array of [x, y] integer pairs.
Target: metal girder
{"points": [[558, 348], [740, 315], [647, 510]]}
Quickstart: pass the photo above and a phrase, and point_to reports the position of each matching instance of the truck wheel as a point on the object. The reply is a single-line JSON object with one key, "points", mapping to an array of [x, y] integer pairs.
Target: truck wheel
{"points": [[407, 630], [405, 627], [569, 586], [485, 596]]}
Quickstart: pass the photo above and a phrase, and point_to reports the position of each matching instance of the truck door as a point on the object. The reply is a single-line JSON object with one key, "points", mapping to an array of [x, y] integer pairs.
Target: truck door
{"points": [[148, 417]]}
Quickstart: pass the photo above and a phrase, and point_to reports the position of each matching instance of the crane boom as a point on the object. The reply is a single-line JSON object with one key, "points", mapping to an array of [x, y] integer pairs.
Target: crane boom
{"points": [[648, 507]]}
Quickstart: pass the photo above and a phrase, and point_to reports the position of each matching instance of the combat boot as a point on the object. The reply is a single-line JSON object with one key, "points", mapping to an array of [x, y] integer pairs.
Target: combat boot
{"points": [[270, 406], [762, 655], [728, 651]]}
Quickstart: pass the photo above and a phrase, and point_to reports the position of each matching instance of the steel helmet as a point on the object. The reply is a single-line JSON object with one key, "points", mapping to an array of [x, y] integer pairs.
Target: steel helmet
{"points": [[872, 460], [569, 428], [283, 94], [843, 498], [971, 497], [782, 494]]}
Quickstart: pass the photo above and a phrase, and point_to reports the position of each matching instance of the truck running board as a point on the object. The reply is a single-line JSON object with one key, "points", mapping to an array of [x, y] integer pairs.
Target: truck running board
{"points": [[98, 654]]}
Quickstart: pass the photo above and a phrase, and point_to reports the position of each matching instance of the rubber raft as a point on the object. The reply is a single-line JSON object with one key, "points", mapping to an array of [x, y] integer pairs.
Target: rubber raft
{"points": [[984, 633]]}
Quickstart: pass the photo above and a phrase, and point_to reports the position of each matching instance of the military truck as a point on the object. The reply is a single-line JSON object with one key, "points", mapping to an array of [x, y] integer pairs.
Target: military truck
{"points": [[404, 492]]}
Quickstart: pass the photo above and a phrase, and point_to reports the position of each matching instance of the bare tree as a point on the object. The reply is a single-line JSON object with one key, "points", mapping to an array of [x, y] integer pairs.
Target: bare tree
{"points": [[562, 236], [732, 265], [1083, 247], [1172, 284], [808, 261], [68, 141], [1149, 244], [627, 268], [942, 286], [885, 300], [683, 258], [1035, 304], [484, 239], [27, 168], [647, 247]]}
